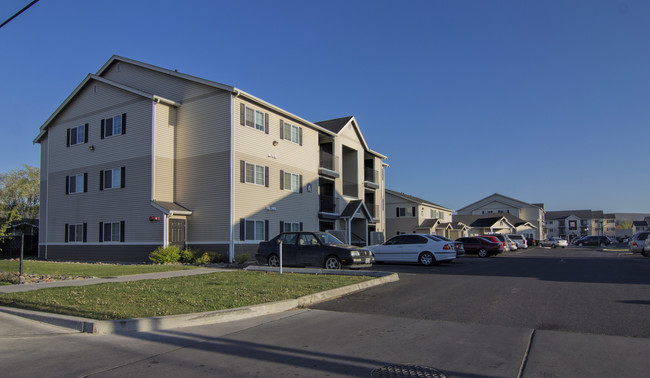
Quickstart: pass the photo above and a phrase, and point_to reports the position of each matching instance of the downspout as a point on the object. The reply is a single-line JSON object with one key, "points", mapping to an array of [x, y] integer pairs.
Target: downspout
{"points": [[231, 241]]}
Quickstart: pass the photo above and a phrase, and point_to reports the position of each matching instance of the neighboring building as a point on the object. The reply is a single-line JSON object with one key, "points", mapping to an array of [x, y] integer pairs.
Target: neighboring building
{"points": [[572, 224], [139, 156], [638, 226], [504, 223], [406, 214], [498, 205]]}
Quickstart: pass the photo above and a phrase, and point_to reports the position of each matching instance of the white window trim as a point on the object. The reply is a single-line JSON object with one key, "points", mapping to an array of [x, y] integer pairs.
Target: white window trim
{"points": [[119, 233], [83, 132], [291, 226], [291, 182], [112, 128], [255, 168], [256, 222], [119, 178], [254, 124], [81, 225], [289, 136], [79, 188]]}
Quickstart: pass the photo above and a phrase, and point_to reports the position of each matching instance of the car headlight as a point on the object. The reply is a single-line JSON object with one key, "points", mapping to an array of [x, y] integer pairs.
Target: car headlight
{"points": [[354, 253]]}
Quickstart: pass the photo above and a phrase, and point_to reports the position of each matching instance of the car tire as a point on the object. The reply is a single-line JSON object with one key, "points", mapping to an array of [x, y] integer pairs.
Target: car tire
{"points": [[553, 246], [427, 259], [332, 262], [581, 245], [273, 260], [482, 253]]}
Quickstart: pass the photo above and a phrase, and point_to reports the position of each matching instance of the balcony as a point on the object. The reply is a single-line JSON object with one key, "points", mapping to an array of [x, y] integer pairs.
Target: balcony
{"points": [[373, 210], [371, 178], [327, 204], [328, 164]]}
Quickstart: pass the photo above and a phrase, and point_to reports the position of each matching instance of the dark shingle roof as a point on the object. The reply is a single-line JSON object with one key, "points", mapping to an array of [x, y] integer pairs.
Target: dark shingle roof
{"points": [[334, 125], [415, 199], [582, 214]]}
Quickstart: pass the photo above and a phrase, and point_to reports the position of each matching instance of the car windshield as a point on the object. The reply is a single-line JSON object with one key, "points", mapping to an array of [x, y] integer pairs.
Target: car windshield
{"points": [[326, 238]]}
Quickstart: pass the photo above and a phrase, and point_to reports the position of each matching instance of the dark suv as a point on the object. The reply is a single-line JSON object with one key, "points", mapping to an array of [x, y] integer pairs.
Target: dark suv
{"points": [[602, 241], [481, 246]]}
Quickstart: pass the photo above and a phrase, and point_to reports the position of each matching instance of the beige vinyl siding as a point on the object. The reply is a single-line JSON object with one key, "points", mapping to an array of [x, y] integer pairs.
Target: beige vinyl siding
{"points": [[202, 169], [165, 125]]}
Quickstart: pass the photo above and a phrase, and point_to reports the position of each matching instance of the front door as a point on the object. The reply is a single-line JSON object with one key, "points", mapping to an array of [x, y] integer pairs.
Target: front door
{"points": [[177, 232]]}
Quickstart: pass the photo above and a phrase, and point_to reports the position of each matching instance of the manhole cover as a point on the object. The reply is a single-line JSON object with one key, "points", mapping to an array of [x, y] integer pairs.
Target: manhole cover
{"points": [[397, 371]]}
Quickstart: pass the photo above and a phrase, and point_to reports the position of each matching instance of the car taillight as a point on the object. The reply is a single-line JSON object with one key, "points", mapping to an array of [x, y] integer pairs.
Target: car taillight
{"points": [[634, 244], [446, 247]]}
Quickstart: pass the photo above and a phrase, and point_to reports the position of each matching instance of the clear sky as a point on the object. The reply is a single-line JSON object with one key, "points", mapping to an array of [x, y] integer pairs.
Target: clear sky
{"points": [[543, 101]]}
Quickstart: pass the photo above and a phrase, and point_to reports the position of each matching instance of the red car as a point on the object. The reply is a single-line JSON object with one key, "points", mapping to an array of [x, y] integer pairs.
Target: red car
{"points": [[481, 246], [496, 240]]}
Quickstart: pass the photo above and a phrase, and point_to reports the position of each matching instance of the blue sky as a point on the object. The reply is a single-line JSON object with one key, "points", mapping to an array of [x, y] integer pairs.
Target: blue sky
{"points": [[543, 101]]}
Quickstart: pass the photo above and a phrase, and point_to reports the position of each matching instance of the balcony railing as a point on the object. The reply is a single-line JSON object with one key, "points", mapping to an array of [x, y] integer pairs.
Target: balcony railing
{"points": [[327, 204], [327, 160], [350, 188], [373, 209], [371, 175]]}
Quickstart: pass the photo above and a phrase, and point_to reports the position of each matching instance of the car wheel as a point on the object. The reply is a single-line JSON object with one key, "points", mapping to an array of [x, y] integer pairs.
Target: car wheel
{"points": [[426, 259], [645, 253], [553, 246], [274, 260], [482, 253], [332, 262], [581, 245]]}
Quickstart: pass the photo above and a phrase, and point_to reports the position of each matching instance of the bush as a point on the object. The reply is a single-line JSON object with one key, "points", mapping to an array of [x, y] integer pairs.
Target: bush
{"points": [[187, 256], [203, 259], [241, 259], [165, 255]]}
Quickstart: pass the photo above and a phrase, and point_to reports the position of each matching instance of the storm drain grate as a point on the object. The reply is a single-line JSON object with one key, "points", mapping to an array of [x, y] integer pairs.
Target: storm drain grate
{"points": [[398, 371]]}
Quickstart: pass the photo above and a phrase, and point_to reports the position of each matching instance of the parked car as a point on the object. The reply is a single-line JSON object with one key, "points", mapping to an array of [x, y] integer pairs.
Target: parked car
{"points": [[520, 240], [638, 241], [554, 242], [507, 245], [646, 248], [481, 246], [602, 241], [420, 248], [460, 251], [532, 242], [319, 249]]}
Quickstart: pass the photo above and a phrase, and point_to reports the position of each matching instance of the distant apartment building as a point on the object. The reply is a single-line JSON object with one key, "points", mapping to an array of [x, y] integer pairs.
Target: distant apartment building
{"points": [[572, 224], [406, 214], [139, 156]]}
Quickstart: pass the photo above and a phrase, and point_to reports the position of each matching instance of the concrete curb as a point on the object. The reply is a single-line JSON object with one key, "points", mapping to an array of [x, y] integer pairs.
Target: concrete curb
{"points": [[211, 317]]}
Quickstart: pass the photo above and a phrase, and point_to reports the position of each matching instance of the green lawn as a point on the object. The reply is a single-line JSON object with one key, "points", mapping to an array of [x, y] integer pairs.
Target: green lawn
{"points": [[94, 270], [172, 296]]}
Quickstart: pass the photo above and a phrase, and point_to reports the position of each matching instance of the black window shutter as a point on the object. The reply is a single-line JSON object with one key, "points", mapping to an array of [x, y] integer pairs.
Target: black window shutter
{"points": [[281, 179], [266, 229], [67, 184], [101, 232], [86, 133], [122, 231], [122, 176], [67, 143], [66, 232], [242, 229], [242, 171], [300, 190], [281, 226], [300, 136], [242, 114], [85, 239], [300, 226], [101, 134], [123, 123], [397, 212], [281, 129], [85, 182], [101, 180], [414, 214], [266, 176], [266, 123]]}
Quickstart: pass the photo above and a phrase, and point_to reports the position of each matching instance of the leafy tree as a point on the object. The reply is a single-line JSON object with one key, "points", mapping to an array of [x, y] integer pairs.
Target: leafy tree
{"points": [[19, 196], [625, 224]]}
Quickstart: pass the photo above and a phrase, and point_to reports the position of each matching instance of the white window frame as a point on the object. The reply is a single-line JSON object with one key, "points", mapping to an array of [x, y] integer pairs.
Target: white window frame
{"points": [[78, 183], [114, 227], [291, 133], [293, 182], [76, 233], [255, 121], [257, 170], [79, 134], [116, 178], [256, 229], [115, 128], [291, 227]]}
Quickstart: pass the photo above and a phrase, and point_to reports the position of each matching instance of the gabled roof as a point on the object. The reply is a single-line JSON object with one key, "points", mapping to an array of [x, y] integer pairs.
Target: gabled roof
{"points": [[482, 220], [414, 199], [336, 125], [582, 214], [640, 223], [353, 208], [504, 197], [458, 225], [170, 208], [90, 77], [428, 223]]}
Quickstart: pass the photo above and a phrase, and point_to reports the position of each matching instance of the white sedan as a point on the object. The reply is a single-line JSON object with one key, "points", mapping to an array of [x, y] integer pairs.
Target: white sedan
{"points": [[554, 242], [420, 248]]}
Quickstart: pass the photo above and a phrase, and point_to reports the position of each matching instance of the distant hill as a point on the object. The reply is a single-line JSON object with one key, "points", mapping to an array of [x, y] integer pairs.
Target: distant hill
{"points": [[631, 216]]}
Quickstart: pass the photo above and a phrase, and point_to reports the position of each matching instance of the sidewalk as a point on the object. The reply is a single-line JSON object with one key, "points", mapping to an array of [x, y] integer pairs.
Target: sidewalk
{"points": [[175, 321]]}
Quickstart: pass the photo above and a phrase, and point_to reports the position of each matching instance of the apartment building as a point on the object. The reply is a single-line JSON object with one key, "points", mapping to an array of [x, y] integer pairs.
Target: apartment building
{"points": [[406, 214], [140, 156], [572, 224]]}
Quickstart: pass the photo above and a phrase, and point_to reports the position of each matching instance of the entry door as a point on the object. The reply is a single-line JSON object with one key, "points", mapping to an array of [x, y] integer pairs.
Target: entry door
{"points": [[177, 232]]}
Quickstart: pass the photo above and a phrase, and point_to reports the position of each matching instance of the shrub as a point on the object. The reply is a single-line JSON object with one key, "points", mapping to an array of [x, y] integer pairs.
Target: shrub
{"points": [[187, 256], [241, 259], [165, 255], [203, 259]]}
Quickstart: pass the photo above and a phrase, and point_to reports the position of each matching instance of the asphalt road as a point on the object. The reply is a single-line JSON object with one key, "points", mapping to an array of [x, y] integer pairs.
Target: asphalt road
{"points": [[567, 289]]}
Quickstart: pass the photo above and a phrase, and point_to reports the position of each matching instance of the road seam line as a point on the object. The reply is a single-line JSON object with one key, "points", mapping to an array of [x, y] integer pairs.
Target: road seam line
{"points": [[525, 358]]}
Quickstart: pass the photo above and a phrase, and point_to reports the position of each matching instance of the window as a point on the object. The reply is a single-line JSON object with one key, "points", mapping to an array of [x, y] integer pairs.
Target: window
{"points": [[255, 230], [254, 118], [111, 231], [75, 233], [433, 213], [255, 174], [573, 225], [112, 178], [290, 227], [290, 181], [76, 184], [77, 135], [113, 126], [290, 132]]}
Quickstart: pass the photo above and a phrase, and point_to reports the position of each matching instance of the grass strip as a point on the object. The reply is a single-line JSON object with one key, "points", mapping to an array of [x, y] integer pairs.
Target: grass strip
{"points": [[173, 296], [81, 269]]}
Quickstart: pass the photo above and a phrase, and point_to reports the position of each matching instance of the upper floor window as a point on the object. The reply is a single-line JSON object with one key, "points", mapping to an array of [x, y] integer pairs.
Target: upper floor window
{"points": [[113, 126], [290, 181], [255, 174], [290, 132], [77, 135], [76, 184], [404, 211], [112, 178], [254, 118]]}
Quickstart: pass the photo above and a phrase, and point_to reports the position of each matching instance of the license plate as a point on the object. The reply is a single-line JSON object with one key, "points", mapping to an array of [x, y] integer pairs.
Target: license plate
{"points": [[368, 260]]}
